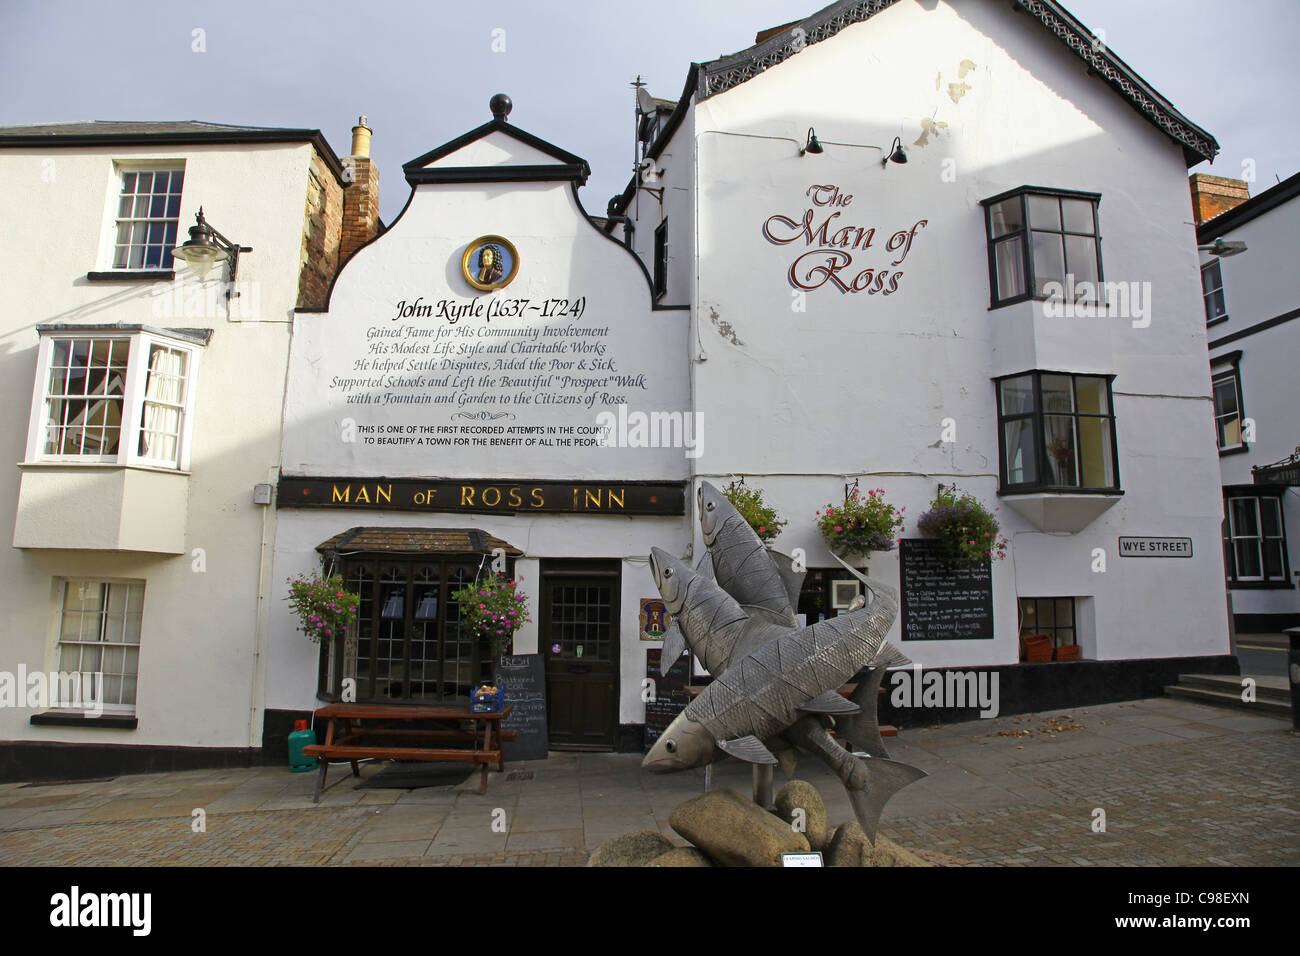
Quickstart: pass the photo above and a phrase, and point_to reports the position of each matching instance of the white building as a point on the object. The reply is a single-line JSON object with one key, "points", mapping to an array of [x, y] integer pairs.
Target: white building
{"points": [[144, 408], [1251, 301], [856, 320]]}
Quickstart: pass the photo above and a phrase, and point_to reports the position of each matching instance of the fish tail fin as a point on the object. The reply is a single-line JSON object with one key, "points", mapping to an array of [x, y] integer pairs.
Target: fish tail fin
{"points": [[674, 647], [861, 731], [884, 778], [890, 656]]}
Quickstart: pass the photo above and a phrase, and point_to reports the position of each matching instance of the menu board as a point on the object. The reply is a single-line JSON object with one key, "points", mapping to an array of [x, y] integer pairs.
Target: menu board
{"points": [[669, 698], [941, 603], [522, 677]]}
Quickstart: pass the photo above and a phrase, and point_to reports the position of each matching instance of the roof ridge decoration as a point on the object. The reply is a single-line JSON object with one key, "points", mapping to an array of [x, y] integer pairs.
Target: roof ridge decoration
{"points": [[718, 76]]}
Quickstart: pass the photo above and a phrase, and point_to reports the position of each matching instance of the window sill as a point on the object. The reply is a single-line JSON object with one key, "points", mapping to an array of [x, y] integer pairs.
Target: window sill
{"points": [[1066, 510], [1260, 586], [1219, 321], [107, 721], [1235, 450], [132, 275], [65, 463]]}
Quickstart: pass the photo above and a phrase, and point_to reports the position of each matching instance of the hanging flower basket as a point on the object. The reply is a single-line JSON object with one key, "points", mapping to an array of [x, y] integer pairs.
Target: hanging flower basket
{"points": [[862, 524], [767, 524], [967, 532], [493, 609], [323, 606]]}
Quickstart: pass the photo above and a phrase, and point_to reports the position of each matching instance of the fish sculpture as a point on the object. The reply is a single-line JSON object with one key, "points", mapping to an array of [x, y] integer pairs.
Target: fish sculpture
{"points": [[772, 683], [753, 574]]}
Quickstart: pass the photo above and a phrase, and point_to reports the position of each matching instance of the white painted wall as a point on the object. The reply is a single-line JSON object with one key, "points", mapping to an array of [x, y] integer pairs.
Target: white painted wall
{"points": [[1258, 285], [859, 384], [199, 640]]}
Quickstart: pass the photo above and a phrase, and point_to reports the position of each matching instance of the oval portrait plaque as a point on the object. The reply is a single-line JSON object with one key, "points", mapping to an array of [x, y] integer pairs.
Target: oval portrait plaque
{"points": [[489, 262]]}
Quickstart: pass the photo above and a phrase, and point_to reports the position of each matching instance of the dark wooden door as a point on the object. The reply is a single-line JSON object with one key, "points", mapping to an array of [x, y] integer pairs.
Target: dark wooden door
{"points": [[579, 637]]}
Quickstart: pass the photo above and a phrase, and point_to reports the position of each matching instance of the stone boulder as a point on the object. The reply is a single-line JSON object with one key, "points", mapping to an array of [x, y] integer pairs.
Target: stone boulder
{"points": [[800, 795], [681, 856], [734, 831], [630, 849], [850, 847]]}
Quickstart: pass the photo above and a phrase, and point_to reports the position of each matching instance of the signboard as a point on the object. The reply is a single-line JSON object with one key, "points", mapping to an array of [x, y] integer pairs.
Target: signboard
{"points": [[522, 678], [670, 697], [1155, 547], [801, 859], [654, 619], [941, 603], [501, 496]]}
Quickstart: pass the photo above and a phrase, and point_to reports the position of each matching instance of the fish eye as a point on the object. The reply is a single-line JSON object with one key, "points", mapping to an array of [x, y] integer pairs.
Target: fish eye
{"points": [[710, 506], [668, 572], [671, 746]]}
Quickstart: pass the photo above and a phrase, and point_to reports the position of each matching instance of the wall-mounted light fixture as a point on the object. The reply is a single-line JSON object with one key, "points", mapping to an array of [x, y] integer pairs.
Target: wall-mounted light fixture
{"points": [[206, 247], [1223, 248], [896, 154], [813, 144]]}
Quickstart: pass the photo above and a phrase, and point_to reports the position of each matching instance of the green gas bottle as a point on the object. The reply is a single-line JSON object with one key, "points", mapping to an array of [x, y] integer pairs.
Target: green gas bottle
{"points": [[302, 736]]}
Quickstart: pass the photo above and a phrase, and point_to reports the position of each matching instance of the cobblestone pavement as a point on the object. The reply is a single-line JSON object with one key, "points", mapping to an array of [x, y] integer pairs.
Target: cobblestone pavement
{"points": [[1178, 783]]}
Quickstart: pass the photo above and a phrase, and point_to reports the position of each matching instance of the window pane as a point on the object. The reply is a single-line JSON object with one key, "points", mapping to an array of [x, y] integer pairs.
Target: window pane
{"points": [[1017, 395], [1009, 261], [1049, 261], [1021, 452], [1046, 613], [1244, 524], [1058, 393], [1081, 262], [1007, 216], [1064, 612], [1215, 307], [1061, 453], [1272, 559], [1270, 517], [1078, 215], [1044, 212], [1211, 277], [1248, 563], [1095, 463], [1092, 395]]}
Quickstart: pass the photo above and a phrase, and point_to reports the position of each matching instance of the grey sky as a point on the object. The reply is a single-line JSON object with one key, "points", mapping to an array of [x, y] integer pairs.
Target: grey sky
{"points": [[423, 71]]}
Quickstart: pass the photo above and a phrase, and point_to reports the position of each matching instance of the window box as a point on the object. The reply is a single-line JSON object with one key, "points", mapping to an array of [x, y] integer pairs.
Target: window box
{"points": [[1043, 243]]}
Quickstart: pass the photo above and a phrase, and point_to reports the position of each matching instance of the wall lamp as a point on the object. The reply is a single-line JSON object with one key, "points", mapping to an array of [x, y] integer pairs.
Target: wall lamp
{"points": [[1223, 248], [896, 154], [206, 247], [813, 145]]}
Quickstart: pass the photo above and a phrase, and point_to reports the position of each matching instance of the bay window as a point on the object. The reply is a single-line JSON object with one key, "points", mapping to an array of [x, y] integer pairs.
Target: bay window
{"points": [[1056, 432], [114, 395], [1041, 241]]}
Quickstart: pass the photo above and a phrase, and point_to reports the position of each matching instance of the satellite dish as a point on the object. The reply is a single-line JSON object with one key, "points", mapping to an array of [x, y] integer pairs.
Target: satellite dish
{"points": [[645, 103]]}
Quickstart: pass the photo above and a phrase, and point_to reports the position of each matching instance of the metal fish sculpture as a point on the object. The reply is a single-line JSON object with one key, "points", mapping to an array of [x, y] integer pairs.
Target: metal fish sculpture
{"points": [[771, 678], [742, 565]]}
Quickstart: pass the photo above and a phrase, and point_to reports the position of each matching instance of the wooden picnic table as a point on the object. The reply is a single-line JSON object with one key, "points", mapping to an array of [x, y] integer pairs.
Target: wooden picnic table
{"points": [[349, 725]]}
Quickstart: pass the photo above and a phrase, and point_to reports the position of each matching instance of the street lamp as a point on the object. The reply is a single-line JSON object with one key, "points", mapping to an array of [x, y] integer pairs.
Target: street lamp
{"points": [[206, 247], [1223, 248]]}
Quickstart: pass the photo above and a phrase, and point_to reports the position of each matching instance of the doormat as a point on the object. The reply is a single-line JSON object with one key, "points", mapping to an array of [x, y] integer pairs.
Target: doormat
{"points": [[415, 775]]}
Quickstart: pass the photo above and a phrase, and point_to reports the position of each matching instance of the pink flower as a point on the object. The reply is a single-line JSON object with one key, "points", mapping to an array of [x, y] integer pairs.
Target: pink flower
{"points": [[838, 528], [482, 607]]}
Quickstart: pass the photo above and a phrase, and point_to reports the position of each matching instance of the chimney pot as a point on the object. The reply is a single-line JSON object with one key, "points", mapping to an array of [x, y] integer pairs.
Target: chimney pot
{"points": [[361, 137]]}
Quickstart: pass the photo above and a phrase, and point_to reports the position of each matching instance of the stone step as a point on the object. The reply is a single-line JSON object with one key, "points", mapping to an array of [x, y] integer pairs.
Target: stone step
{"points": [[1261, 706], [1266, 688]]}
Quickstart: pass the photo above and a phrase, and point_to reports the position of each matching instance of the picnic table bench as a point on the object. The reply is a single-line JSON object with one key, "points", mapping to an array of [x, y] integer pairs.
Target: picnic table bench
{"points": [[349, 727]]}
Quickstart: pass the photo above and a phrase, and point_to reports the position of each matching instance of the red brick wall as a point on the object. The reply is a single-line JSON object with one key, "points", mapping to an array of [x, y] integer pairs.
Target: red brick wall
{"points": [[1214, 195], [360, 205], [320, 234]]}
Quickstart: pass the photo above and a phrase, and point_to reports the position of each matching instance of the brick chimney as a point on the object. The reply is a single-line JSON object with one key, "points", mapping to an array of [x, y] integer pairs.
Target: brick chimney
{"points": [[360, 193], [1214, 195]]}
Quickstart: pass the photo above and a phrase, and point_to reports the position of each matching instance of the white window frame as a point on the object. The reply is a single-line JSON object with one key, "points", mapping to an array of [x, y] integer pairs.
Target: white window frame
{"points": [[133, 400], [1222, 369], [108, 243], [114, 710], [1235, 536], [1216, 269]]}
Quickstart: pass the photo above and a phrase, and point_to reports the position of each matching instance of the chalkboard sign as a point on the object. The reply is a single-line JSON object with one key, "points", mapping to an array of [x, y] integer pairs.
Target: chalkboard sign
{"points": [[941, 603], [523, 679], [670, 697]]}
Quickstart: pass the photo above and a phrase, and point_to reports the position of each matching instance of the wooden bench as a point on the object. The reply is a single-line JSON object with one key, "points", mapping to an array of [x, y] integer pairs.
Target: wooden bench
{"points": [[347, 740]]}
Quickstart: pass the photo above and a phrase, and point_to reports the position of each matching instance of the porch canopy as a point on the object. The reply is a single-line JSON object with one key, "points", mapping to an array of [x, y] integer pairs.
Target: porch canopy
{"points": [[415, 541]]}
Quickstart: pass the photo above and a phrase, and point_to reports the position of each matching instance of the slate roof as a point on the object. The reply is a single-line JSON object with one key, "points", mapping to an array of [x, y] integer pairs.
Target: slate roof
{"points": [[416, 541]]}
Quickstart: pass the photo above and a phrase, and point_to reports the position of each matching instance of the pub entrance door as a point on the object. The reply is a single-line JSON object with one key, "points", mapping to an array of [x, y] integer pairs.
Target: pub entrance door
{"points": [[578, 636]]}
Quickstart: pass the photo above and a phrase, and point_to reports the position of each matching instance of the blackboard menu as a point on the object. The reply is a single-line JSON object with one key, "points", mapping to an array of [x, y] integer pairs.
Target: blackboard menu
{"points": [[941, 603], [669, 698], [522, 677]]}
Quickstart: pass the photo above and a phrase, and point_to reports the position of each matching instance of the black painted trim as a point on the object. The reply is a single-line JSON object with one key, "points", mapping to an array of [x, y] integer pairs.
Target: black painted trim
{"points": [[655, 306], [35, 760], [1034, 688], [1264, 623], [499, 174], [140, 275], [493, 126], [196, 138], [1257, 327], [116, 722]]}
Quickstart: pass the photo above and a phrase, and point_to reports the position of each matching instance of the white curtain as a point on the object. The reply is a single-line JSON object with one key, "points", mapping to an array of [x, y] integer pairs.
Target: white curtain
{"points": [[162, 398]]}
